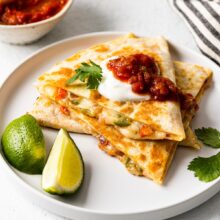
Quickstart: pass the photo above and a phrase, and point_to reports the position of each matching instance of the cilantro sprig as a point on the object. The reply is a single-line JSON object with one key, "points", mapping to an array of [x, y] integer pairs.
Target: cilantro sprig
{"points": [[89, 73], [207, 169], [209, 136]]}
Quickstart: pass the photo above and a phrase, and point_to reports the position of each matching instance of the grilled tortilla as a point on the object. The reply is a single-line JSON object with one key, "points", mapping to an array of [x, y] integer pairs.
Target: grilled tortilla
{"points": [[162, 118], [148, 158]]}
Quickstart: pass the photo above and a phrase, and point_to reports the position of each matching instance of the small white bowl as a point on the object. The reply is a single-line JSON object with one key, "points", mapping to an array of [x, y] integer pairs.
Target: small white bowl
{"points": [[28, 33]]}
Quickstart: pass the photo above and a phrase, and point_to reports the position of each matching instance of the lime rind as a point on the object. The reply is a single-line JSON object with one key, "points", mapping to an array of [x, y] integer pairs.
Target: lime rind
{"points": [[57, 190], [23, 145]]}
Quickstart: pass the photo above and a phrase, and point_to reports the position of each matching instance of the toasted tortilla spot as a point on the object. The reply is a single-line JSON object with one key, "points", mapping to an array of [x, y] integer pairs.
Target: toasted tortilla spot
{"points": [[140, 112], [156, 153], [142, 146], [127, 109], [154, 167], [100, 48], [74, 57], [125, 51], [66, 72], [142, 157]]}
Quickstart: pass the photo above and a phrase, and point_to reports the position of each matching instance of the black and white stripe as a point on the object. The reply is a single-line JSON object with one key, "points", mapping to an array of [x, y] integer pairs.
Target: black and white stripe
{"points": [[203, 19]]}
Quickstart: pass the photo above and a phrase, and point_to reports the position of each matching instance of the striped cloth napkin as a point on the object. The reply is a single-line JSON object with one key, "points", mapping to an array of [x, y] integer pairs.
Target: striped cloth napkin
{"points": [[203, 19]]}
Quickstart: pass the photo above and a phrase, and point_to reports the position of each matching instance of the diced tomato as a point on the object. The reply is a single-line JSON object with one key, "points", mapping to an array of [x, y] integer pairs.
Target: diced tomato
{"points": [[146, 130], [64, 110], [61, 93]]}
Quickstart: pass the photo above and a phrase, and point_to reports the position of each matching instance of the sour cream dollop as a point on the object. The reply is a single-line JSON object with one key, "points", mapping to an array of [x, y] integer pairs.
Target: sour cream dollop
{"points": [[114, 89]]}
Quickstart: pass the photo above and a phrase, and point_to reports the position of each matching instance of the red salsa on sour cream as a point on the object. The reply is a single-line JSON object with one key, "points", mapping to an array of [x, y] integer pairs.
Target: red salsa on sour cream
{"points": [[143, 73], [29, 11]]}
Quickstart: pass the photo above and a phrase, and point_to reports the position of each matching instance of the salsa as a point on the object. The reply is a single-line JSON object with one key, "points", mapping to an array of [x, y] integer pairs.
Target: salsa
{"points": [[143, 73], [29, 11]]}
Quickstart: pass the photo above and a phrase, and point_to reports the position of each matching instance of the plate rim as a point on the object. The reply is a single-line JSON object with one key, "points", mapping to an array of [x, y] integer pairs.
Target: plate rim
{"points": [[213, 186]]}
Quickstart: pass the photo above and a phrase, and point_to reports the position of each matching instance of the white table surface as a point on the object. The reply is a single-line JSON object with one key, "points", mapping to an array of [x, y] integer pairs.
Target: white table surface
{"points": [[151, 17]]}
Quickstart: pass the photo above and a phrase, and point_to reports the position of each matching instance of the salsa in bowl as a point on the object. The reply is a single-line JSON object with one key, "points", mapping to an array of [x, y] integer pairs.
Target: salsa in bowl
{"points": [[23, 23], [29, 11]]}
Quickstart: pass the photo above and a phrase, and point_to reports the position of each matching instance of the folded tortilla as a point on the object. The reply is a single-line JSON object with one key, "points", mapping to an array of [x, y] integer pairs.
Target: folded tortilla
{"points": [[49, 114], [148, 158], [162, 118]]}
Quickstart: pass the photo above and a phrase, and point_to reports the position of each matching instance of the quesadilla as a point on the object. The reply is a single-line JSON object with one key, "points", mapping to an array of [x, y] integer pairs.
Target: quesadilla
{"points": [[139, 119], [148, 158]]}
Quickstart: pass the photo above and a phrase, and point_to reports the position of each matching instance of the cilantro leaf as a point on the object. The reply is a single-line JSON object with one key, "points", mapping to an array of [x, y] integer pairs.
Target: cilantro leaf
{"points": [[206, 169], [89, 73], [209, 136]]}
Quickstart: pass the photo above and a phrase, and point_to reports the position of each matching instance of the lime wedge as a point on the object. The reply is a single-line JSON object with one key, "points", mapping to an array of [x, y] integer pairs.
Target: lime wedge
{"points": [[64, 170]]}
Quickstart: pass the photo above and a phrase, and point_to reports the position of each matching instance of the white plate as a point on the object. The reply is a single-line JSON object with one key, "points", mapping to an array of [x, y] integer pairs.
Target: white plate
{"points": [[109, 190]]}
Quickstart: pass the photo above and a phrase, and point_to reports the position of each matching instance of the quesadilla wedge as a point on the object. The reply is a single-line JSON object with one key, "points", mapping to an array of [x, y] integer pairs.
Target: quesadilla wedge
{"points": [[148, 158], [52, 115], [141, 119]]}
